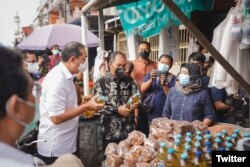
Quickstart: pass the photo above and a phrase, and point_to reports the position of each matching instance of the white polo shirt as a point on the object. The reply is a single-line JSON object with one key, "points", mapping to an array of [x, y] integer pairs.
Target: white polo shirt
{"points": [[58, 95]]}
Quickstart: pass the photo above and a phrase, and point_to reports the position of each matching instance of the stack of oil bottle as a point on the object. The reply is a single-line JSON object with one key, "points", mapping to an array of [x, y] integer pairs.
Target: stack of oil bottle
{"points": [[194, 149]]}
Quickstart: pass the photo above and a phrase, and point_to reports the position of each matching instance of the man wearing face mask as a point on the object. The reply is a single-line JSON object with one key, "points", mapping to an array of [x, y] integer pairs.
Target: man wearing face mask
{"points": [[189, 100], [142, 66], [59, 111], [117, 117], [31, 64], [55, 58], [158, 82], [17, 109]]}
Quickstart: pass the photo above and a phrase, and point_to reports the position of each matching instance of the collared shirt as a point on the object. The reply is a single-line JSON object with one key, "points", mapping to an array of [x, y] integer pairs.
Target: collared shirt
{"points": [[194, 106], [114, 126], [11, 157], [141, 68], [219, 95], [160, 96], [58, 95]]}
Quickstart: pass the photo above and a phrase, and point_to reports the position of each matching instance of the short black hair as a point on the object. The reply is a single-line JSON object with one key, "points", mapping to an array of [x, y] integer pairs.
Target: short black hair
{"points": [[53, 46], [25, 52], [72, 49], [169, 57], [14, 79], [145, 42], [114, 54], [197, 56]]}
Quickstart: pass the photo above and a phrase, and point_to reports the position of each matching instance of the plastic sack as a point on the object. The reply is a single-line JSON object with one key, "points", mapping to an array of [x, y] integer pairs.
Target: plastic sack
{"points": [[113, 160], [122, 148], [110, 149], [136, 138]]}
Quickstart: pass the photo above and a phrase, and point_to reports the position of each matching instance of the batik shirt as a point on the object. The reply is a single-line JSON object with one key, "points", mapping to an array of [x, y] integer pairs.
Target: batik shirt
{"points": [[114, 126]]}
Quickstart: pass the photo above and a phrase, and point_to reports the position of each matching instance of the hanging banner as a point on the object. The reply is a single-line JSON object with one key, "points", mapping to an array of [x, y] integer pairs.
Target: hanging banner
{"points": [[147, 18]]}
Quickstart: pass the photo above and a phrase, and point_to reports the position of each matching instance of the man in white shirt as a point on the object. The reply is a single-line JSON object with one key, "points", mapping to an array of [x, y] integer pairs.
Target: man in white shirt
{"points": [[16, 108], [59, 112]]}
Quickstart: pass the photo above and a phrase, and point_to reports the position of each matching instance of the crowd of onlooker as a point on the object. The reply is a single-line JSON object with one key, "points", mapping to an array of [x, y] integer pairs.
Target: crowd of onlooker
{"points": [[185, 96]]}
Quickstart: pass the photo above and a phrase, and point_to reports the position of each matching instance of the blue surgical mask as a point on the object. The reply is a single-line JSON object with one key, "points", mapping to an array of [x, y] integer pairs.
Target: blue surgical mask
{"points": [[184, 79], [163, 67]]}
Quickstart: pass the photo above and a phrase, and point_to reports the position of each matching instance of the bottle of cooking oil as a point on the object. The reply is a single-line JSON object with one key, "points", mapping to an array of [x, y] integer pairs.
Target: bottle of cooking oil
{"points": [[134, 99], [184, 162], [200, 140], [224, 134], [217, 144], [219, 135], [178, 147], [189, 152], [235, 138], [189, 141], [208, 157], [228, 140], [198, 133], [197, 147], [101, 99], [162, 153], [189, 134], [171, 160], [178, 136], [208, 145], [229, 147], [199, 161], [208, 138]]}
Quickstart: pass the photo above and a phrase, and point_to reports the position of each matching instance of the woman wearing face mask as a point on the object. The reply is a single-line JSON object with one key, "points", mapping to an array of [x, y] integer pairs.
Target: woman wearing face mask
{"points": [[55, 58], [17, 109], [158, 81], [188, 100]]}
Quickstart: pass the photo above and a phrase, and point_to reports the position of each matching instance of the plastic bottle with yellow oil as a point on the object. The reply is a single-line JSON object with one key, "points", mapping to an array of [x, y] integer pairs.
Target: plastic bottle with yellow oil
{"points": [[101, 99], [178, 147], [162, 153], [199, 160], [134, 99], [184, 160], [171, 160]]}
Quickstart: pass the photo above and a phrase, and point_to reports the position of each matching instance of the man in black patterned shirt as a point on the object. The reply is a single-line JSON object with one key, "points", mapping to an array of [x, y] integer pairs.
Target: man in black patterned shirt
{"points": [[117, 117]]}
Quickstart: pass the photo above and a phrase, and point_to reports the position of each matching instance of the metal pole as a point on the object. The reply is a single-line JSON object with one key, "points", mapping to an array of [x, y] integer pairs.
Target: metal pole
{"points": [[205, 43], [101, 29], [84, 41]]}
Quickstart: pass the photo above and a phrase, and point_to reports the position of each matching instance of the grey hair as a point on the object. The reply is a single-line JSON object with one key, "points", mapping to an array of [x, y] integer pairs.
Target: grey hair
{"points": [[72, 49]]}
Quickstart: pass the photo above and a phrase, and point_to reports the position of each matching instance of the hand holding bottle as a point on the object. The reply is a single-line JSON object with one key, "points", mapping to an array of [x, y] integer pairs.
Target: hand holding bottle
{"points": [[123, 110]]}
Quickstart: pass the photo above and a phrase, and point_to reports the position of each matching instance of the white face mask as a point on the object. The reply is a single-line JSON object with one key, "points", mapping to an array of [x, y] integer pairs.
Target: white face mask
{"points": [[33, 68], [55, 52], [163, 67], [83, 67]]}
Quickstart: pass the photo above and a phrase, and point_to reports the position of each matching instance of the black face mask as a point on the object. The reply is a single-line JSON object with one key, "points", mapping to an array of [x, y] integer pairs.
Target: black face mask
{"points": [[119, 72], [144, 54]]}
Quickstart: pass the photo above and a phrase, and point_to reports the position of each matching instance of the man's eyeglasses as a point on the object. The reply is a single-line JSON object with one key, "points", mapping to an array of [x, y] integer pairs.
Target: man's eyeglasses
{"points": [[31, 61]]}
